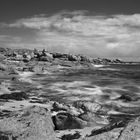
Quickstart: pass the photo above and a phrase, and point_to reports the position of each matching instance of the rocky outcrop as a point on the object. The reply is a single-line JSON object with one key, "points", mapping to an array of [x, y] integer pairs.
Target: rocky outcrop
{"points": [[26, 55], [33, 123]]}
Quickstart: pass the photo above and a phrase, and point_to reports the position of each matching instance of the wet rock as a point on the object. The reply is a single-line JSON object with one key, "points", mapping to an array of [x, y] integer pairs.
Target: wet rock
{"points": [[63, 63], [37, 69], [26, 60], [5, 113], [111, 131], [14, 96], [68, 108], [111, 135], [94, 119], [128, 98], [63, 121], [13, 71], [57, 55], [57, 107], [33, 123], [117, 61], [18, 58], [88, 106], [84, 58], [72, 57], [71, 136], [15, 79], [47, 54], [45, 58], [25, 55]]}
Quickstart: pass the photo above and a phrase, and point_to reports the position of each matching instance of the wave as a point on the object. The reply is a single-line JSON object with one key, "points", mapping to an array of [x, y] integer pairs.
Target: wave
{"points": [[109, 69], [98, 66]]}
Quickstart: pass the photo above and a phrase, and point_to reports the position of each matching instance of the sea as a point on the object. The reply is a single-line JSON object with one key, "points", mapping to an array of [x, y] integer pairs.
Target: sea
{"points": [[115, 86]]}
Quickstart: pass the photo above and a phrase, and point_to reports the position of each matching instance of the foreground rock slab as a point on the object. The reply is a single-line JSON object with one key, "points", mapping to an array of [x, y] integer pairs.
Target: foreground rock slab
{"points": [[132, 131], [33, 123]]}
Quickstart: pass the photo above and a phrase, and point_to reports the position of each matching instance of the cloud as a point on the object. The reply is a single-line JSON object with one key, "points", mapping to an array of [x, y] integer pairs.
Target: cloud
{"points": [[83, 32]]}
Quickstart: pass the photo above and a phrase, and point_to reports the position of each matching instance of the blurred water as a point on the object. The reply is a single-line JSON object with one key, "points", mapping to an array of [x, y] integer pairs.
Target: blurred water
{"points": [[114, 86]]}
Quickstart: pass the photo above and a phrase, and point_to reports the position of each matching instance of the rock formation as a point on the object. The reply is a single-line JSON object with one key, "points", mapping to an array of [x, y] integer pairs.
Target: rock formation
{"points": [[33, 123]]}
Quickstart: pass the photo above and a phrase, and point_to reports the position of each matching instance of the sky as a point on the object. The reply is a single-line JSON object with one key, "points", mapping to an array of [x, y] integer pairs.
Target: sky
{"points": [[97, 28]]}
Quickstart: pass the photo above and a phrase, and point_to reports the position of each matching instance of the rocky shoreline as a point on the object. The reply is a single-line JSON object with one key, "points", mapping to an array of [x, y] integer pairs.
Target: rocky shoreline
{"points": [[26, 55], [26, 115]]}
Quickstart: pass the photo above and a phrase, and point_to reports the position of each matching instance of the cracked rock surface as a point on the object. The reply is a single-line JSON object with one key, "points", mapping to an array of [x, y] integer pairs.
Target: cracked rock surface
{"points": [[33, 123]]}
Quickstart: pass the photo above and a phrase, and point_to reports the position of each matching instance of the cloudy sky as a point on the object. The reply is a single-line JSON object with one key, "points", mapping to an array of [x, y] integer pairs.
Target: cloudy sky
{"points": [[98, 28]]}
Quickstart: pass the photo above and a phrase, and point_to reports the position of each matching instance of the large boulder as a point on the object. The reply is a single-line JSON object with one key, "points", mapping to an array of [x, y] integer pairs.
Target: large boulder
{"points": [[64, 121], [33, 123]]}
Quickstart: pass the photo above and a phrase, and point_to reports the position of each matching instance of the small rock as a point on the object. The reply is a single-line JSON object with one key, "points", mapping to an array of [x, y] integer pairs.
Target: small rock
{"points": [[88, 106]]}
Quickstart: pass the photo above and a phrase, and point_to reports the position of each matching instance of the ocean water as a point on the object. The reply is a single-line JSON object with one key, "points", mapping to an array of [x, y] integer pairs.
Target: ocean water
{"points": [[114, 87], [117, 87]]}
